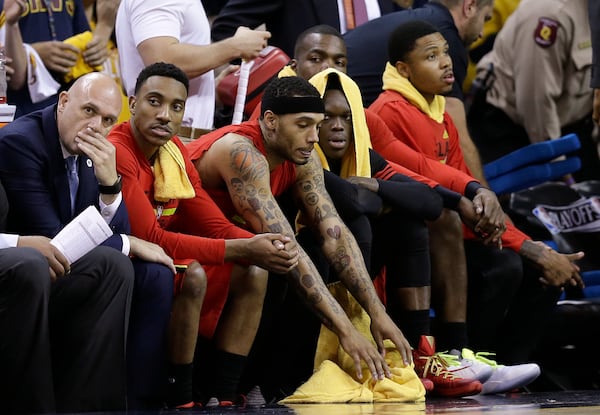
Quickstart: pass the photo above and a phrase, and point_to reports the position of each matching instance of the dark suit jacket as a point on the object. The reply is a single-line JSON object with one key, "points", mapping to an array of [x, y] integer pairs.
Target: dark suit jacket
{"points": [[33, 172], [3, 208], [285, 19]]}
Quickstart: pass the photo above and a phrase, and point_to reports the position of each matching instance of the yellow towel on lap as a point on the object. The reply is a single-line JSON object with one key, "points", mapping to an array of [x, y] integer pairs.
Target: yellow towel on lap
{"points": [[330, 384], [170, 177], [359, 409], [334, 381]]}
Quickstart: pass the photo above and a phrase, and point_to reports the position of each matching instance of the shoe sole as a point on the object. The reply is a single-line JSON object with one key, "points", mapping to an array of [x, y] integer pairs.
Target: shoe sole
{"points": [[458, 392], [489, 386]]}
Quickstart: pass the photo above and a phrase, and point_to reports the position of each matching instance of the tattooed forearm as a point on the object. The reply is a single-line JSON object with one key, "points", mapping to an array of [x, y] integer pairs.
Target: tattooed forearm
{"points": [[533, 250], [319, 180], [311, 199], [306, 186], [347, 261], [268, 208], [278, 228], [313, 292], [307, 280], [326, 321], [340, 260], [326, 212]]}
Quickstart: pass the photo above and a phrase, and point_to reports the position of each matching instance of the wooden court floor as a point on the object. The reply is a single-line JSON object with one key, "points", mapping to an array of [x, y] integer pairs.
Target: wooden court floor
{"points": [[535, 403]]}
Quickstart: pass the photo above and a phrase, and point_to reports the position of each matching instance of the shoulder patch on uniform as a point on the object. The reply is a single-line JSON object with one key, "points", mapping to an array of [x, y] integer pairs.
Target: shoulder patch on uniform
{"points": [[545, 32]]}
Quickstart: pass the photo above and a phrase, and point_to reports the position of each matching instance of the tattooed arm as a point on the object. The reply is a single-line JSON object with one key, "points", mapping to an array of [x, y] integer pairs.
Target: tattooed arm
{"points": [[247, 177], [558, 270], [342, 252]]}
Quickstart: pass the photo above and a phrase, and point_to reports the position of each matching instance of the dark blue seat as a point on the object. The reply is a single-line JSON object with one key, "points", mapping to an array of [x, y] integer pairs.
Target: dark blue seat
{"points": [[533, 165]]}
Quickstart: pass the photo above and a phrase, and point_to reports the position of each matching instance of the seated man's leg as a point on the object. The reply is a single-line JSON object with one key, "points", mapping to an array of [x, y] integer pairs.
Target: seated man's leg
{"points": [[401, 244], [25, 365], [261, 363], [529, 314], [284, 351], [89, 314], [449, 281], [237, 329], [147, 339], [183, 334], [494, 277], [294, 331]]}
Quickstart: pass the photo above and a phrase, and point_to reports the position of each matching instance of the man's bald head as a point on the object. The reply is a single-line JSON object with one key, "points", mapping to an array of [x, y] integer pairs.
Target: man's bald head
{"points": [[93, 101]]}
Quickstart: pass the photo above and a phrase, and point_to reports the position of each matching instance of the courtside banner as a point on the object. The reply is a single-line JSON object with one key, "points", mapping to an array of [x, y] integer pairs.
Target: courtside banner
{"points": [[583, 215]]}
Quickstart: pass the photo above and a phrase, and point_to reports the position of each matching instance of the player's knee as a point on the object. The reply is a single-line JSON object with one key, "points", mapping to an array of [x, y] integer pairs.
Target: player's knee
{"points": [[195, 281], [447, 227], [254, 284]]}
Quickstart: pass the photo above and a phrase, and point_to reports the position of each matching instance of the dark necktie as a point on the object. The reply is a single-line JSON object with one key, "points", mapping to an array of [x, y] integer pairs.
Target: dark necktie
{"points": [[73, 177]]}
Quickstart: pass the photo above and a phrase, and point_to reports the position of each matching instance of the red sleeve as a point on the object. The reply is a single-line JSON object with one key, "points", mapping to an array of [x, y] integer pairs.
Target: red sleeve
{"points": [[513, 238], [456, 157], [145, 225], [396, 151], [403, 170]]}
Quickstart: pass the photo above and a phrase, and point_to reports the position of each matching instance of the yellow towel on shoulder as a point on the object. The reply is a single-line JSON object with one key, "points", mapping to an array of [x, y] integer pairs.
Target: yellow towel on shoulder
{"points": [[396, 82], [80, 68], [333, 380], [170, 177], [286, 71], [356, 161]]}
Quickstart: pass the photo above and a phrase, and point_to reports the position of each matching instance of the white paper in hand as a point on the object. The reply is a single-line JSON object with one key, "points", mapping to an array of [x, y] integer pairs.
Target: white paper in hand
{"points": [[85, 232]]}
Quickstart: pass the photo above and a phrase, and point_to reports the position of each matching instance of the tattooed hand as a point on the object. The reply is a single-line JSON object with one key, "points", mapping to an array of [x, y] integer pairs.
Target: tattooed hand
{"points": [[359, 348]]}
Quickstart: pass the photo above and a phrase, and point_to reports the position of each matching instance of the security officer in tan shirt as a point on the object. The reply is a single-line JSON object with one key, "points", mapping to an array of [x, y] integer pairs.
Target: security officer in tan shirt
{"points": [[541, 63]]}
